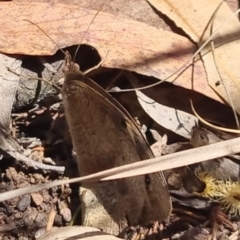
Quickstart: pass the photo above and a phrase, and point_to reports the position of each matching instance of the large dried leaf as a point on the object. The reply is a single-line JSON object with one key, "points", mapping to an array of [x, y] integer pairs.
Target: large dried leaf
{"points": [[193, 16], [126, 44]]}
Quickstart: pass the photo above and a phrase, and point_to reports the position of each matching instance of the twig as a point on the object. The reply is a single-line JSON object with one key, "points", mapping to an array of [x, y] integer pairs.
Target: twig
{"points": [[51, 217], [34, 78], [36, 165], [10, 145]]}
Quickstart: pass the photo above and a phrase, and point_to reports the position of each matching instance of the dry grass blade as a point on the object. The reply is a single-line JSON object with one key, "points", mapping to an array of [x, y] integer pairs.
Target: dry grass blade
{"points": [[175, 160], [230, 130], [218, 70]]}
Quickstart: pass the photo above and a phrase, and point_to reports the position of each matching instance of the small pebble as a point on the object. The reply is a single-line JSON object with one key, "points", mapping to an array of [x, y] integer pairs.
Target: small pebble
{"points": [[23, 238], [32, 213], [47, 198], [41, 220], [24, 203], [18, 215], [37, 198], [58, 220], [10, 186], [39, 233], [9, 238], [66, 214], [46, 207], [32, 180], [174, 181], [27, 221]]}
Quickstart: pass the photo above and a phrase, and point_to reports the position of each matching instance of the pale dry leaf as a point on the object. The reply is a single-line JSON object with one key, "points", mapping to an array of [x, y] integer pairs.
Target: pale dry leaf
{"points": [[235, 235], [170, 118], [8, 87], [157, 148], [193, 17], [76, 233], [187, 13], [123, 43], [160, 144], [178, 159]]}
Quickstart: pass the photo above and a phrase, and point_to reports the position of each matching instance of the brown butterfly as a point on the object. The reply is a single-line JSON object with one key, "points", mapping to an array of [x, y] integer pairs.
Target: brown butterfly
{"points": [[105, 136]]}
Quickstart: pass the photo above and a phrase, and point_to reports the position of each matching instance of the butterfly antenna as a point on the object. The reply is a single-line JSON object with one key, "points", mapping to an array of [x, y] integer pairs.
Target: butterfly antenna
{"points": [[88, 29], [45, 34]]}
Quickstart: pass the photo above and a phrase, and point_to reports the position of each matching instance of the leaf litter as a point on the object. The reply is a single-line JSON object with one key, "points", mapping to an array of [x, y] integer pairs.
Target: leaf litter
{"points": [[229, 147], [147, 44]]}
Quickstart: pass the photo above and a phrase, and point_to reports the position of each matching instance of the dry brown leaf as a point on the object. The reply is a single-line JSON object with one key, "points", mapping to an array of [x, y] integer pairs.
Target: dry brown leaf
{"points": [[193, 16], [126, 44]]}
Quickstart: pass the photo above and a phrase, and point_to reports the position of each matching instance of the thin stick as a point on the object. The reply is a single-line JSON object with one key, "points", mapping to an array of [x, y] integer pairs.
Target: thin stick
{"points": [[211, 19], [34, 78], [217, 68], [36, 165]]}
